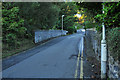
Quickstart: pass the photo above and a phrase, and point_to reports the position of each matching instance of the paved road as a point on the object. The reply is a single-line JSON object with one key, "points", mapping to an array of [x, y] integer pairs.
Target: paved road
{"points": [[62, 59]]}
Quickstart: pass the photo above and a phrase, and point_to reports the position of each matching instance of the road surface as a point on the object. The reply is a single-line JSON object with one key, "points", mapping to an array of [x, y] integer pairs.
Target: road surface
{"points": [[61, 57]]}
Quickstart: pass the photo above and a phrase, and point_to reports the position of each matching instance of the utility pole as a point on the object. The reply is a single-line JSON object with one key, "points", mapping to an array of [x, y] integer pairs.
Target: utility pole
{"points": [[103, 51], [62, 22]]}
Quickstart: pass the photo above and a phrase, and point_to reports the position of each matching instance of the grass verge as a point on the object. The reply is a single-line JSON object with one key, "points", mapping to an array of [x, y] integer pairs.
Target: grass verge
{"points": [[11, 50], [25, 44]]}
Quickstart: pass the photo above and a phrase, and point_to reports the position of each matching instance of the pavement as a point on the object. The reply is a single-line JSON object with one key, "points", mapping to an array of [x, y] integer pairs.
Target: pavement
{"points": [[62, 57]]}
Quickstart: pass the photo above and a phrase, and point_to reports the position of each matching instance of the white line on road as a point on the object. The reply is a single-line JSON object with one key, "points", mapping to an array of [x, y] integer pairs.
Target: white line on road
{"points": [[81, 67], [78, 58]]}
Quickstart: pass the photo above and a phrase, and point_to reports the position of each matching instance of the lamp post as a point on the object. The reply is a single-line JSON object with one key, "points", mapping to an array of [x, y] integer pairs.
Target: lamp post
{"points": [[103, 51], [62, 22]]}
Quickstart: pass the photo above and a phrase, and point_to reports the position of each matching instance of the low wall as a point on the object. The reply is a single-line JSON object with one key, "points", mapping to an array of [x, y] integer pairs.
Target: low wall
{"points": [[113, 67], [96, 42], [41, 35], [94, 39]]}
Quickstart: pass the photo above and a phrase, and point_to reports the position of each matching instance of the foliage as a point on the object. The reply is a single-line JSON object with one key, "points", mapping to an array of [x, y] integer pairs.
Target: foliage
{"points": [[90, 9], [111, 14], [79, 26], [68, 21], [111, 20], [71, 29], [113, 39], [68, 9], [39, 14], [24, 45], [98, 26], [13, 25], [20, 20], [80, 18]]}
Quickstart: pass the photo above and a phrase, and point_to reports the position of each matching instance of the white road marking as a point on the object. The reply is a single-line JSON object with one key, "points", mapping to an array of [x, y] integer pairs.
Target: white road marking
{"points": [[78, 58], [81, 67]]}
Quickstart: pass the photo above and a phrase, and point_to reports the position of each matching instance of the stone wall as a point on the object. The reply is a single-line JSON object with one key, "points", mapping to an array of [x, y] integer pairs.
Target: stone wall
{"points": [[92, 51], [95, 42], [41, 35], [113, 66]]}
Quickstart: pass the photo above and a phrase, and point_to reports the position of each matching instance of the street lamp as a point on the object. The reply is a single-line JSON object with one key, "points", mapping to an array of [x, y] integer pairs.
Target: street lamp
{"points": [[103, 51], [62, 22]]}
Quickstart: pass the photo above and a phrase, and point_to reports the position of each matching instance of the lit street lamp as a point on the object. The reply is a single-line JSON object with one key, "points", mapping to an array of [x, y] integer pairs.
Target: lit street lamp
{"points": [[62, 22]]}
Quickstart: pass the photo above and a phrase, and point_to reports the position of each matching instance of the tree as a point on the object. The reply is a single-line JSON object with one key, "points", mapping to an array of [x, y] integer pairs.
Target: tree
{"points": [[68, 9], [42, 15], [21, 19], [111, 14], [13, 25], [91, 7]]}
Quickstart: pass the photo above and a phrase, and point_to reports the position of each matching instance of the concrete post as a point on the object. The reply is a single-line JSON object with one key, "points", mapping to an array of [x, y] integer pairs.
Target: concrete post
{"points": [[103, 52]]}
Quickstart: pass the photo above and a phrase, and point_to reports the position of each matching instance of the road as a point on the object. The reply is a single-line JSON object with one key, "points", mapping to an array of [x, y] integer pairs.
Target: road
{"points": [[61, 57]]}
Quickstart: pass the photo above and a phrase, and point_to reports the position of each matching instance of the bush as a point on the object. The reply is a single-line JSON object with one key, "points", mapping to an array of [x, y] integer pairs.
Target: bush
{"points": [[71, 29], [11, 39], [111, 14], [113, 40], [98, 28], [89, 25], [93, 25], [12, 25]]}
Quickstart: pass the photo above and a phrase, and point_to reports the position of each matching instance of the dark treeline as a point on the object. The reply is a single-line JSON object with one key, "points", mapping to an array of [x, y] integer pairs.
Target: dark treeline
{"points": [[20, 20]]}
